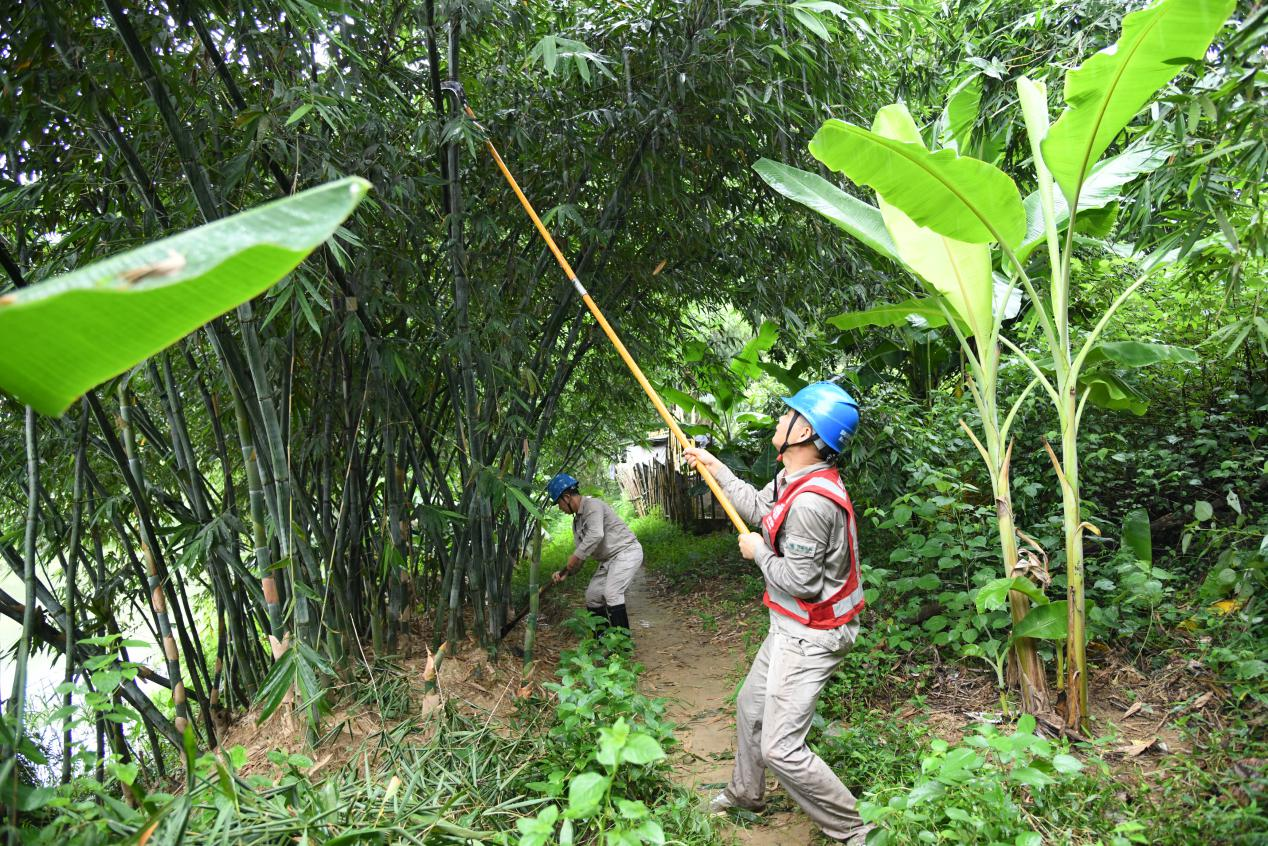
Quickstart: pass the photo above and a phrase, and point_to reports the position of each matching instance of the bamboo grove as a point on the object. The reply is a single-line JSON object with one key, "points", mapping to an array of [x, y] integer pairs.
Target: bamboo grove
{"points": [[310, 471]]}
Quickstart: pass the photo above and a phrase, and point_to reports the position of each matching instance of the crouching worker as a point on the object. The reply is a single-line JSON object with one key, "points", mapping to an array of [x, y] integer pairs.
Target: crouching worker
{"points": [[808, 553], [599, 534]]}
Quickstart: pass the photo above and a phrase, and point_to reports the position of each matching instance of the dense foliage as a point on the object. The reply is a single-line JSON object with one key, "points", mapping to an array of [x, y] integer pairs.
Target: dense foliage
{"points": [[235, 524]]}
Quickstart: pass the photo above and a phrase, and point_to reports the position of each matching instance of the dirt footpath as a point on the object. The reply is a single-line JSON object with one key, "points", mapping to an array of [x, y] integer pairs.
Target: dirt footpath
{"points": [[698, 678]]}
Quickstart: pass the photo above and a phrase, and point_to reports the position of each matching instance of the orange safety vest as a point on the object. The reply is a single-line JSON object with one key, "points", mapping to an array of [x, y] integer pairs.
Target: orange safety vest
{"points": [[845, 604]]}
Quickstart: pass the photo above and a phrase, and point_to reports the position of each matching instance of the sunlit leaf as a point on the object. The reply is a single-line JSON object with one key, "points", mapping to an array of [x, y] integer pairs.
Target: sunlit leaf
{"points": [[61, 337], [1106, 91]]}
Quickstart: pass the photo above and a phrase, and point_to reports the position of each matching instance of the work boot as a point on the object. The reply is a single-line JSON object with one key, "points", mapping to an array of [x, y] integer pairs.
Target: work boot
{"points": [[618, 617], [720, 804]]}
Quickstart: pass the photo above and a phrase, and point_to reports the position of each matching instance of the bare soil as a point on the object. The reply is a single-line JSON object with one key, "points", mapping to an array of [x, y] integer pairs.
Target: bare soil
{"points": [[698, 668]]}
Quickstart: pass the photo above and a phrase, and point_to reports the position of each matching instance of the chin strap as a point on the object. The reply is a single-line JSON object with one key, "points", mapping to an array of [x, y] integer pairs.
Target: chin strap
{"points": [[788, 433]]}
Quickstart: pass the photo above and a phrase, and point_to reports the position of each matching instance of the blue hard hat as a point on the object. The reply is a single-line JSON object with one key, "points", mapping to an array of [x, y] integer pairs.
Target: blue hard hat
{"points": [[559, 485], [830, 411]]}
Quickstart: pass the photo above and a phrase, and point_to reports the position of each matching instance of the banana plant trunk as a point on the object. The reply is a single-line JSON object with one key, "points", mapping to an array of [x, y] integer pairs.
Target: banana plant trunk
{"points": [[1032, 681], [1076, 656]]}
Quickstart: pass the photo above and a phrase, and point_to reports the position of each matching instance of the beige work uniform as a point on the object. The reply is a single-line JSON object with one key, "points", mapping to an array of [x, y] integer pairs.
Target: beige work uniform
{"points": [[598, 533], [777, 702]]}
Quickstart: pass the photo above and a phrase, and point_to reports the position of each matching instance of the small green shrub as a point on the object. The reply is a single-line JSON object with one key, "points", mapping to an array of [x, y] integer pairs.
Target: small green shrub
{"points": [[1014, 789]]}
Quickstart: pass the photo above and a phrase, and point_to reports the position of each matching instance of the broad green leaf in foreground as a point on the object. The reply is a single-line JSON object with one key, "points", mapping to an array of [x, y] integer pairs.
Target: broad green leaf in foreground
{"points": [[1047, 622], [957, 270], [1105, 92], [61, 337], [994, 594], [1140, 354], [1137, 537], [856, 217], [956, 196]]}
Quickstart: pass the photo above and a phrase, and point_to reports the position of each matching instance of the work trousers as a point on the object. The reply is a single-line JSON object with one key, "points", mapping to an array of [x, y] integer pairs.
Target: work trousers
{"points": [[773, 715], [613, 576]]}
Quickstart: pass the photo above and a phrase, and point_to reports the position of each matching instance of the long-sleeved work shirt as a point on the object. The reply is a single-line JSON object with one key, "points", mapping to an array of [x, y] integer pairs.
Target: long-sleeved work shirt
{"points": [[597, 532], [816, 556]]}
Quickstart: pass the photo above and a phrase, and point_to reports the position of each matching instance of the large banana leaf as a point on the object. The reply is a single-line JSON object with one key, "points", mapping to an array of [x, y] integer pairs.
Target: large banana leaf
{"points": [[1108, 389], [60, 337], [1106, 91], [1102, 187], [1140, 354], [956, 196], [892, 314], [1048, 622], [812, 190], [960, 271], [960, 114]]}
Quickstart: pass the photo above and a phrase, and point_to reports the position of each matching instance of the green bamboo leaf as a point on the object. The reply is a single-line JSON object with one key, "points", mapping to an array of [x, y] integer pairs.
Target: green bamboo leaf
{"points": [[61, 337], [1109, 89], [959, 271], [524, 501], [856, 217], [279, 680], [956, 196], [356, 836], [310, 689], [299, 113], [1046, 622], [812, 22]]}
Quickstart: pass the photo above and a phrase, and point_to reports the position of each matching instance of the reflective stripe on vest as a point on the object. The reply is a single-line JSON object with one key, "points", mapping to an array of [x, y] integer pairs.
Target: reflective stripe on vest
{"points": [[846, 603]]}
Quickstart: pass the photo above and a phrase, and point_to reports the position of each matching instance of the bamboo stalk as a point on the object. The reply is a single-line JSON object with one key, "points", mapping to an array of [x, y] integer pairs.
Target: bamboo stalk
{"points": [[534, 601], [72, 575], [17, 699], [158, 600]]}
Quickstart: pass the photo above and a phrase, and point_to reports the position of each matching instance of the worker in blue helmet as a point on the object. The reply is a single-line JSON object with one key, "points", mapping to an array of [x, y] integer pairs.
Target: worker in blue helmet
{"points": [[807, 550], [598, 533]]}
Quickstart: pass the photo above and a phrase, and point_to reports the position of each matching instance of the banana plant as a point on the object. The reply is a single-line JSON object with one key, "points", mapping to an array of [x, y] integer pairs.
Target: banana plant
{"points": [[950, 219], [956, 268]]}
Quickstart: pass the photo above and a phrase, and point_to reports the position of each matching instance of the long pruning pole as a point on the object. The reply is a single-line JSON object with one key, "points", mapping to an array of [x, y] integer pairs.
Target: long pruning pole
{"points": [[602, 321]]}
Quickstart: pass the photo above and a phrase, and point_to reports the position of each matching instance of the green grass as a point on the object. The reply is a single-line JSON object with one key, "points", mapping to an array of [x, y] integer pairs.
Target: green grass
{"points": [[686, 560]]}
